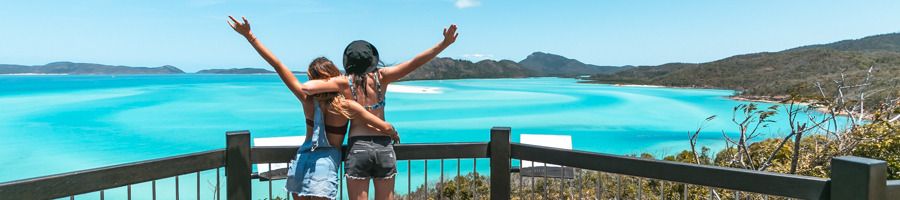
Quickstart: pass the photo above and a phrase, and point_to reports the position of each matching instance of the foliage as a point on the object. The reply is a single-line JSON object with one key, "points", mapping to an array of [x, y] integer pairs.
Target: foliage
{"points": [[880, 141], [774, 74]]}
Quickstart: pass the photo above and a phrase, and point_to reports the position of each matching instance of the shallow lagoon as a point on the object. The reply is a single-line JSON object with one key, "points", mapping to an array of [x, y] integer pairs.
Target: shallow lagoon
{"points": [[55, 124]]}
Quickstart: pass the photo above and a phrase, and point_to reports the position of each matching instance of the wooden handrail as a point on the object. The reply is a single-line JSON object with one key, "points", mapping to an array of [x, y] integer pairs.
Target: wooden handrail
{"points": [[787, 185], [91, 180]]}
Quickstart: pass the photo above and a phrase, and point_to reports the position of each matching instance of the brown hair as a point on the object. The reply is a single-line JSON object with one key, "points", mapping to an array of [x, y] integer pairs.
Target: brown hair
{"points": [[322, 68]]}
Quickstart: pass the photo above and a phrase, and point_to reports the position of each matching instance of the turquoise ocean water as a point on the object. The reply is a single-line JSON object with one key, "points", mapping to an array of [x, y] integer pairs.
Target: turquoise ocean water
{"points": [[55, 124]]}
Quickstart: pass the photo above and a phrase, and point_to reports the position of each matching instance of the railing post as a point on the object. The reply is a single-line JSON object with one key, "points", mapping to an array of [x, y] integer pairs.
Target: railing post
{"points": [[500, 163], [858, 178], [237, 165]]}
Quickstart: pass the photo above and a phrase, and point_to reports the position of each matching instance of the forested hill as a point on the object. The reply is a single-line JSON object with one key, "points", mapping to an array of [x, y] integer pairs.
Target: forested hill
{"points": [[777, 73], [85, 68], [448, 68], [545, 64], [538, 64], [883, 42]]}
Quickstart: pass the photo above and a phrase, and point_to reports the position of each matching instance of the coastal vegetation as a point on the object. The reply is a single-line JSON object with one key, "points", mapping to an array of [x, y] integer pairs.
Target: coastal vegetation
{"points": [[774, 75]]}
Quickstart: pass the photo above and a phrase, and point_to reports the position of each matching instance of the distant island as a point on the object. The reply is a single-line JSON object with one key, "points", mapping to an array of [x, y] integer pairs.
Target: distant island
{"points": [[236, 71], [85, 68]]}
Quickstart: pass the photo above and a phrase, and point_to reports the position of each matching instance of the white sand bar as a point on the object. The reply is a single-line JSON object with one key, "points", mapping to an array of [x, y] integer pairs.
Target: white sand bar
{"points": [[414, 89]]}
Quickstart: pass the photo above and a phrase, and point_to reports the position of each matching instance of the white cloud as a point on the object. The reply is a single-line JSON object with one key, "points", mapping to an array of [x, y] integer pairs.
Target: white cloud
{"points": [[467, 3], [477, 56]]}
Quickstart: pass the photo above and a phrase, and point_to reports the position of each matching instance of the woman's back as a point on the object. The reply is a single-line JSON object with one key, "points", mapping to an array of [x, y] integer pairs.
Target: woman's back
{"points": [[368, 96], [333, 120]]}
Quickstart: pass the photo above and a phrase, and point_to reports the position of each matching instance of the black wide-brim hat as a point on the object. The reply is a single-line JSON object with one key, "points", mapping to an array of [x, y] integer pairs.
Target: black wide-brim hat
{"points": [[360, 57]]}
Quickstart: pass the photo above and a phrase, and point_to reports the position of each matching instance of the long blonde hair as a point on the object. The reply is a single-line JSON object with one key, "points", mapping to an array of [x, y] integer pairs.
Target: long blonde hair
{"points": [[322, 68]]}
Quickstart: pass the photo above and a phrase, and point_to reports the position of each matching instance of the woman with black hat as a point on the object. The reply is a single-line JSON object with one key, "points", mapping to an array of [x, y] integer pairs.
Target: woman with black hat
{"points": [[371, 155]]}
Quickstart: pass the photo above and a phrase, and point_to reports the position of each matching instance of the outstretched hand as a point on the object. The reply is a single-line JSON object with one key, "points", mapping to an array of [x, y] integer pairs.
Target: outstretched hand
{"points": [[241, 28], [450, 35]]}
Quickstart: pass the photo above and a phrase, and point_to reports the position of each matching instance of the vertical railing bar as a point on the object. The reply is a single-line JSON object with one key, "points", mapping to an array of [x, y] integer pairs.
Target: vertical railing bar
{"points": [[439, 192], [72, 197], [546, 187], [458, 167], [270, 180], [176, 187], [662, 190], [684, 194], [288, 193], [129, 191], [711, 193], [475, 173], [218, 187], [640, 187], [153, 189], [737, 195], [426, 179], [408, 178], [198, 185], [102, 196], [578, 182], [533, 187], [618, 186], [562, 180], [458, 164], [521, 182], [599, 185]]}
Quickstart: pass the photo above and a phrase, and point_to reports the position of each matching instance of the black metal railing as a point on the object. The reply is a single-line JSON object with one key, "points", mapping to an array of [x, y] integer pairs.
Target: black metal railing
{"points": [[577, 174]]}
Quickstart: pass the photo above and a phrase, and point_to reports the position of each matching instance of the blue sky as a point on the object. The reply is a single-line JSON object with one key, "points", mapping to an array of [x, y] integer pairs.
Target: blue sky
{"points": [[193, 35]]}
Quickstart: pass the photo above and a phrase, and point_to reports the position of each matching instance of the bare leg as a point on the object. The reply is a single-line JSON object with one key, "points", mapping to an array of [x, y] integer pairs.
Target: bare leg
{"points": [[358, 189], [384, 189]]}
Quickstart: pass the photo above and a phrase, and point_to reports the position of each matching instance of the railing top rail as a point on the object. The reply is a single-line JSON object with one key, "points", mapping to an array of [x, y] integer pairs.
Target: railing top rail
{"points": [[90, 180], [405, 151], [720, 177]]}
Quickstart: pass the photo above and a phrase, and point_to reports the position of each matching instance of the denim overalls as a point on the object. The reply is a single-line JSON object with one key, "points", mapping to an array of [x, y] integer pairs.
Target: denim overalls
{"points": [[314, 171]]}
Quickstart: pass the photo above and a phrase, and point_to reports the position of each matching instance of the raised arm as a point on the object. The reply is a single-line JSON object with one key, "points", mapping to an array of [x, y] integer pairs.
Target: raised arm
{"points": [[286, 75], [335, 84], [392, 74]]}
